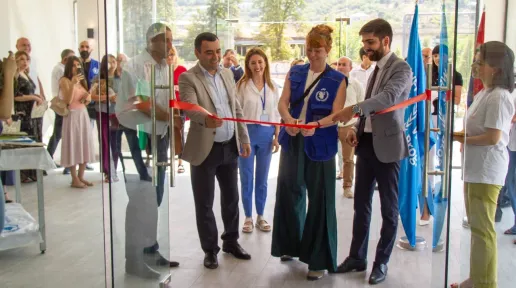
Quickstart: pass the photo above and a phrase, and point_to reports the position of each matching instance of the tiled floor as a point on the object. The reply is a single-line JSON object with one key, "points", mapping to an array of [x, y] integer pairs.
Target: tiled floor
{"points": [[75, 255]]}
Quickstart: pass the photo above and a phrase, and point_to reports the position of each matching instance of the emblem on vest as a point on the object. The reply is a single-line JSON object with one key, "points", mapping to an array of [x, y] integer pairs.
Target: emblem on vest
{"points": [[322, 95], [95, 71]]}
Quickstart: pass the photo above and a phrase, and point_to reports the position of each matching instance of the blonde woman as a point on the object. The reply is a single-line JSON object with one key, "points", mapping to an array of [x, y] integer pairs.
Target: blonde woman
{"points": [[24, 100], [259, 98]]}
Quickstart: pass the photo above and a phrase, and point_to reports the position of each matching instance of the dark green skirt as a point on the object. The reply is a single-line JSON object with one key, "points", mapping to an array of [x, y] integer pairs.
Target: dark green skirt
{"points": [[310, 236]]}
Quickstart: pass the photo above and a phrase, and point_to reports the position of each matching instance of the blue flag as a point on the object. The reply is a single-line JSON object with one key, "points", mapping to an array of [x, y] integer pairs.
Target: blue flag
{"points": [[440, 203], [410, 168], [443, 81]]}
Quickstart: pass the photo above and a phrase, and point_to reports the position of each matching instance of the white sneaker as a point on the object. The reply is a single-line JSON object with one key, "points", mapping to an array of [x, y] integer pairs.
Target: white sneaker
{"points": [[425, 222], [465, 222], [348, 192]]}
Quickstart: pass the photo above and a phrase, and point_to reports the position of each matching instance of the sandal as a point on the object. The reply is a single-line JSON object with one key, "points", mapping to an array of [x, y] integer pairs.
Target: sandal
{"points": [[89, 184], [511, 231], [248, 226], [263, 225], [6, 197], [180, 169], [78, 186]]}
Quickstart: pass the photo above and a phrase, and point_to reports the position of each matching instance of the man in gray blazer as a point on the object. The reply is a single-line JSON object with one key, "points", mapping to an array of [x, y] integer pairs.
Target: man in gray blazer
{"points": [[380, 145], [212, 147]]}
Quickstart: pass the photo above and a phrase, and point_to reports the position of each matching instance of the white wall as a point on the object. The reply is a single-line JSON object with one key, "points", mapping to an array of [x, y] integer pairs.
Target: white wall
{"points": [[495, 19], [91, 15], [49, 26]]}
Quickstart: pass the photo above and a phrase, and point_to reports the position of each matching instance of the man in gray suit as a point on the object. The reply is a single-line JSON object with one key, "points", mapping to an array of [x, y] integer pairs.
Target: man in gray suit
{"points": [[380, 145], [212, 147]]}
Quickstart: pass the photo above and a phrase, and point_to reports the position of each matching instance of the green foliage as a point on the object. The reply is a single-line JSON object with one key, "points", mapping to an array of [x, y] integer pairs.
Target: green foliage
{"points": [[273, 34]]}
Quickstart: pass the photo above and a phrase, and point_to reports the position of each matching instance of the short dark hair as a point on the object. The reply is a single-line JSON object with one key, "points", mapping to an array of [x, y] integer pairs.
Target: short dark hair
{"points": [[228, 51], [65, 53], [362, 53], [498, 55], [205, 36], [379, 27]]}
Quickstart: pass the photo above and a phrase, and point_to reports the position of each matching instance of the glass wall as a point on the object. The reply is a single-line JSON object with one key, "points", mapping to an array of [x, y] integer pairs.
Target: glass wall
{"points": [[137, 222]]}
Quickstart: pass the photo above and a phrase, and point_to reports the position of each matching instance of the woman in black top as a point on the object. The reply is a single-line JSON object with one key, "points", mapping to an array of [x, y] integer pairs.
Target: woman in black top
{"points": [[457, 84], [24, 99]]}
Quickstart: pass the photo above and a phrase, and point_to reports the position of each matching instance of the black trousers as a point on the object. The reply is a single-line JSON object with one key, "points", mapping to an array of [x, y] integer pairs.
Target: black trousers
{"points": [[369, 169], [56, 135], [222, 163]]}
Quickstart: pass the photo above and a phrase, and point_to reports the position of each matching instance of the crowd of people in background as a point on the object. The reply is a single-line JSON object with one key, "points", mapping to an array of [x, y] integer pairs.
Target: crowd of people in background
{"points": [[314, 93]]}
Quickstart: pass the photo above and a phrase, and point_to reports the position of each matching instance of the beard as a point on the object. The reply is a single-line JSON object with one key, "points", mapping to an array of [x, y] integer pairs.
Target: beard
{"points": [[377, 54], [85, 54]]}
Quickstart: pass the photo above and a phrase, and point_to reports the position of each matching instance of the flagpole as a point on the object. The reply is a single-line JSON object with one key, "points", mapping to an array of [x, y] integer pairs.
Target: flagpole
{"points": [[419, 242]]}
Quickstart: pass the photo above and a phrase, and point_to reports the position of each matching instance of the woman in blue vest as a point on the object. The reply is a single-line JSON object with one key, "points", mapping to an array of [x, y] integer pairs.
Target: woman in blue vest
{"points": [[311, 93]]}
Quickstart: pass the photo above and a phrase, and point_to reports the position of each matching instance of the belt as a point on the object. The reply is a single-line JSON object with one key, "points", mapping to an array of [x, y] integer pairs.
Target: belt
{"points": [[224, 142]]}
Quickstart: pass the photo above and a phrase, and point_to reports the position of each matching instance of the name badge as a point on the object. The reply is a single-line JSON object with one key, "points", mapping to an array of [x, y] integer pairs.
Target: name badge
{"points": [[264, 117]]}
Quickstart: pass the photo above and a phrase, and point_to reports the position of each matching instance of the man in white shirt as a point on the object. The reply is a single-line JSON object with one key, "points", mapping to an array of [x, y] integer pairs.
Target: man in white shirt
{"points": [[57, 73], [364, 71], [23, 44], [354, 94], [144, 199]]}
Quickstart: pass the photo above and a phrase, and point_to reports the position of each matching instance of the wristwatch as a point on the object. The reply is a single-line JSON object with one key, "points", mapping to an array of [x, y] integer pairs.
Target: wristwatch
{"points": [[356, 110]]}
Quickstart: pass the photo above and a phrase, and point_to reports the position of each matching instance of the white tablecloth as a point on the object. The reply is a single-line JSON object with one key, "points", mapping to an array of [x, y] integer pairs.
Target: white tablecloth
{"points": [[26, 158]]}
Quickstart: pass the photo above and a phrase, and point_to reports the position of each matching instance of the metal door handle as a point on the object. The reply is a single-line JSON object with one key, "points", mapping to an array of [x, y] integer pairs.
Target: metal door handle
{"points": [[154, 146], [154, 138], [172, 96]]}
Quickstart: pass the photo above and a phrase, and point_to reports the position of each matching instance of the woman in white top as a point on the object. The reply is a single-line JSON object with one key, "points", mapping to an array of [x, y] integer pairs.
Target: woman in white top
{"points": [[486, 158], [259, 98]]}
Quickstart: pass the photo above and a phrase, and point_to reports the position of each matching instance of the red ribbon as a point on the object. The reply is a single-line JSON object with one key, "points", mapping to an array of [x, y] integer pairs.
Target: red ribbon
{"points": [[193, 107]]}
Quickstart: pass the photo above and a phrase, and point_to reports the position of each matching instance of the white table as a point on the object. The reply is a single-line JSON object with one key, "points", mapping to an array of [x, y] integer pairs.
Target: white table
{"points": [[29, 158]]}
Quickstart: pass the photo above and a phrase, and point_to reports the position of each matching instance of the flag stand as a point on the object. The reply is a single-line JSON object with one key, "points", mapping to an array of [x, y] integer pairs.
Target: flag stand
{"points": [[404, 244]]}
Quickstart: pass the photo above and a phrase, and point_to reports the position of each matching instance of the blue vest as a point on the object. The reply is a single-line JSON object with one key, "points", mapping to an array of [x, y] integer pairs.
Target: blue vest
{"points": [[322, 146]]}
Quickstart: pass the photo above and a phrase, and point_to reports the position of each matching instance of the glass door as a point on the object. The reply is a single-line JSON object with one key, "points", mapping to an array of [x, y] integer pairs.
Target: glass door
{"points": [[140, 132]]}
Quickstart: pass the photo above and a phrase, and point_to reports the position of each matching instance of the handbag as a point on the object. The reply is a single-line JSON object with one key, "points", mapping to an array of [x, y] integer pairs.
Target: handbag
{"points": [[14, 128], [38, 111], [59, 106]]}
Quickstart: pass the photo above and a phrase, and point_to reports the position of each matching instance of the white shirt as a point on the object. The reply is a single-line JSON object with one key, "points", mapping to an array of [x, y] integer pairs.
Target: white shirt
{"points": [[368, 128], [251, 100], [136, 78], [220, 97], [491, 108], [512, 134], [33, 74], [354, 94], [310, 78], [362, 75], [57, 73]]}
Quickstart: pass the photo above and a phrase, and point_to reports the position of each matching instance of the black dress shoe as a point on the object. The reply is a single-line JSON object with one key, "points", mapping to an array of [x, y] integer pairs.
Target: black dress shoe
{"points": [[147, 178], [158, 260], [89, 167], [379, 274], [210, 260], [351, 264], [286, 258], [66, 171], [236, 250]]}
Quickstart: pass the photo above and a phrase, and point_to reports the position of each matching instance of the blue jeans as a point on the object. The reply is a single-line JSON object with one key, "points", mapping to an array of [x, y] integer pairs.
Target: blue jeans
{"points": [[510, 183], [134, 147], [162, 146], [261, 148]]}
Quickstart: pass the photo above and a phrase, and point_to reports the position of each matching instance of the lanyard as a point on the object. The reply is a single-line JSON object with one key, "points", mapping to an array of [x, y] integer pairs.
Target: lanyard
{"points": [[263, 99]]}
